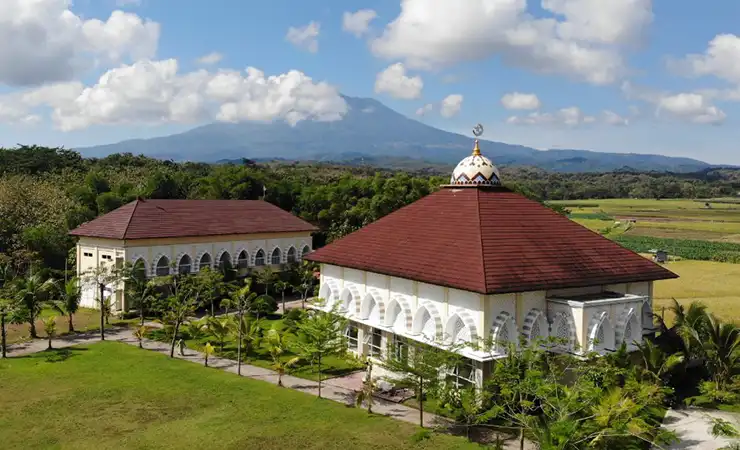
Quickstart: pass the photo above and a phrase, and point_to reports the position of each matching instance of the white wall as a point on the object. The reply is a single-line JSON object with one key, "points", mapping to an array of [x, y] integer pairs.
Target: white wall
{"points": [[91, 253]]}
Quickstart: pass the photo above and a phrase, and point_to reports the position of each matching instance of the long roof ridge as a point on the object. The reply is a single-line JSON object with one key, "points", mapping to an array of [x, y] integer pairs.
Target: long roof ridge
{"points": [[130, 217], [480, 237]]}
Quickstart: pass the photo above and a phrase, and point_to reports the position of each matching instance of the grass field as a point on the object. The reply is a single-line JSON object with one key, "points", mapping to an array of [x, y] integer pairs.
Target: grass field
{"points": [[112, 395], [84, 320], [717, 285]]}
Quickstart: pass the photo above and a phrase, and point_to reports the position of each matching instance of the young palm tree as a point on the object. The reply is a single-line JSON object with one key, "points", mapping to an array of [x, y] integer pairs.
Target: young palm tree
{"points": [[281, 286], [656, 362], [32, 293], [219, 327], [139, 334], [195, 329], [368, 387], [248, 334], [242, 300], [277, 347], [50, 328], [722, 350], [208, 351], [68, 301]]}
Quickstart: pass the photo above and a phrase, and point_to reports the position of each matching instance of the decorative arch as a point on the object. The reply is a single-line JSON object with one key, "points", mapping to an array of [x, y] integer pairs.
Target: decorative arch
{"points": [[224, 260], [204, 260], [628, 328], [329, 292], [600, 333], [535, 326], [398, 315], [350, 298], [184, 264], [291, 256], [161, 266], [427, 322], [242, 259], [372, 307], [647, 315], [305, 250], [276, 256], [504, 330], [260, 259], [139, 266], [564, 330], [460, 329]]}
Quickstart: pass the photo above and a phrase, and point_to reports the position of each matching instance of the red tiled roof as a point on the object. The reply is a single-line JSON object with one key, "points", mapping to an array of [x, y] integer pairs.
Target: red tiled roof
{"points": [[487, 241], [143, 219]]}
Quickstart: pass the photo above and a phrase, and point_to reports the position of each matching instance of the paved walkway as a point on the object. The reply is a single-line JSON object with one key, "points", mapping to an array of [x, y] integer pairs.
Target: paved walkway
{"points": [[693, 428]]}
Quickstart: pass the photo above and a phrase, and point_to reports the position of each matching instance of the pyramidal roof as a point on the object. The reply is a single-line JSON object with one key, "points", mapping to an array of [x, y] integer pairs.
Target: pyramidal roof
{"points": [[147, 219], [487, 240]]}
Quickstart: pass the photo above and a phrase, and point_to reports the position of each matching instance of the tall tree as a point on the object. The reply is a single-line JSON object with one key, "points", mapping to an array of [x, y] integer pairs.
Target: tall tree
{"points": [[185, 295], [32, 293], [321, 334], [8, 308], [242, 300], [104, 278], [282, 286], [68, 300]]}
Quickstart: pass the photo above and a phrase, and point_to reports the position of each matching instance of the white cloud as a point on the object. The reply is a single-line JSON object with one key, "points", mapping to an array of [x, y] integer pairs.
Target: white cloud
{"points": [[424, 110], [691, 107], [358, 23], [451, 105], [43, 41], [585, 44], [612, 118], [721, 59], [570, 117], [210, 59], [151, 92], [393, 81], [123, 3], [519, 101], [305, 37]]}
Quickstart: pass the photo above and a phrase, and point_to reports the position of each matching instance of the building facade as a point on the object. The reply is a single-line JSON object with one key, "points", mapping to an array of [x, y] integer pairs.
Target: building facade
{"points": [[476, 263], [163, 237]]}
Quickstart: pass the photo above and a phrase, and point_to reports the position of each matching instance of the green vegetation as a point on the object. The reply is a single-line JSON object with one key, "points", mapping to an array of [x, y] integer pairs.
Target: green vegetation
{"points": [[683, 248], [112, 395]]}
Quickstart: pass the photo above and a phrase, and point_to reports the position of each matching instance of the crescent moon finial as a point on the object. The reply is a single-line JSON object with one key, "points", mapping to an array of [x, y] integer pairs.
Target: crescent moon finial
{"points": [[478, 130]]}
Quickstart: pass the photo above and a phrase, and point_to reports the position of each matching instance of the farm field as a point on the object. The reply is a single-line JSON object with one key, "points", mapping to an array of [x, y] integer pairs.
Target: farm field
{"points": [[111, 395]]}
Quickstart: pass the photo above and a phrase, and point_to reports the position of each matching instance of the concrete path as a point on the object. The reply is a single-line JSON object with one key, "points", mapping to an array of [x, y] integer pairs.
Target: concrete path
{"points": [[693, 428]]}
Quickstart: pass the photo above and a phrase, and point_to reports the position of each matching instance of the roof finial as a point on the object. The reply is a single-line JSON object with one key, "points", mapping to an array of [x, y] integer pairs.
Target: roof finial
{"points": [[477, 132]]}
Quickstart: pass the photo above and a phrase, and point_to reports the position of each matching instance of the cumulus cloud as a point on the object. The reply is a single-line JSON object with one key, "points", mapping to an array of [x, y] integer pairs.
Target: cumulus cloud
{"points": [[691, 107], [424, 110], [721, 59], [43, 41], [358, 23], [451, 105], [519, 101], [570, 117], [306, 37], [393, 81], [210, 59], [612, 118], [584, 41], [149, 92]]}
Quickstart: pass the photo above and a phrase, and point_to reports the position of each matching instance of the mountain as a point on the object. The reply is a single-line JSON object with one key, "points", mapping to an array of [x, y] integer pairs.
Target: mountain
{"points": [[371, 130]]}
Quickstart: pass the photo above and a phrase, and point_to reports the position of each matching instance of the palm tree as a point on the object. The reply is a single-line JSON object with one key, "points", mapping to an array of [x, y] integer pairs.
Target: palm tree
{"points": [[266, 276], [139, 334], [656, 362], [368, 387], [142, 294], [249, 334], [8, 307], [722, 350], [68, 302], [50, 328], [195, 329], [281, 286], [31, 292], [277, 347], [220, 329]]}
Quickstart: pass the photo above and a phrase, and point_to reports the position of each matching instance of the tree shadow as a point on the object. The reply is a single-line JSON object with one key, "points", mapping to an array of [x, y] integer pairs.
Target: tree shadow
{"points": [[61, 355]]}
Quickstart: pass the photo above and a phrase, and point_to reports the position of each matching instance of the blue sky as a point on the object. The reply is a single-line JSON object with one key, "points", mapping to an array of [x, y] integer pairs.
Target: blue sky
{"points": [[608, 75]]}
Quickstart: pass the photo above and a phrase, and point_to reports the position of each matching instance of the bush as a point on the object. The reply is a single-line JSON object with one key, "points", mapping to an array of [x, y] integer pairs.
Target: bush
{"points": [[292, 318], [727, 257], [264, 305]]}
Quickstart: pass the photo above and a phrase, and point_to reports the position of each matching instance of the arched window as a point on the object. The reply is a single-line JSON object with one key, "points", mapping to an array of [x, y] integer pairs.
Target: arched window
{"points": [[139, 269], [242, 261], [259, 258], [224, 262], [291, 255], [275, 258], [205, 262], [185, 266], [305, 250], [163, 267]]}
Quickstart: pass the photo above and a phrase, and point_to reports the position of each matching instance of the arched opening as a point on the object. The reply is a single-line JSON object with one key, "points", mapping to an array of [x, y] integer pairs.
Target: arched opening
{"points": [[275, 257], [259, 258], [163, 267], [398, 316], [372, 308], [242, 261], [325, 294], [563, 332], [647, 316], [350, 300], [427, 323], [205, 262], [139, 269], [535, 329], [456, 332], [291, 255], [504, 332], [601, 334], [306, 250], [631, 334], [185, 265], [224, 262]]}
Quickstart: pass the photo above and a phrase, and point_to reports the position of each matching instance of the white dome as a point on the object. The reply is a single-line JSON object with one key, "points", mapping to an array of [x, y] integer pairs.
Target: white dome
{"points": [[476, 169]]}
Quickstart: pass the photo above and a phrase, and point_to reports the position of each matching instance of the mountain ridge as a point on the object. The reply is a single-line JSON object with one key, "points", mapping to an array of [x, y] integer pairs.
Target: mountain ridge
{"points": [[371, 129]]}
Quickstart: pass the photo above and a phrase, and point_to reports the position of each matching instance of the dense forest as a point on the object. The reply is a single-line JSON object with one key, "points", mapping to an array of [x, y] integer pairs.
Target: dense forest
{"points": [[45, 192]]}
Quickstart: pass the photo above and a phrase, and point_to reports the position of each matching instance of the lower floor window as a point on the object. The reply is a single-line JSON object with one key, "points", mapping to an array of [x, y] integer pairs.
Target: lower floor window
{"points": [[463, 374], [351, 335], [400, 348], [376, 340]]}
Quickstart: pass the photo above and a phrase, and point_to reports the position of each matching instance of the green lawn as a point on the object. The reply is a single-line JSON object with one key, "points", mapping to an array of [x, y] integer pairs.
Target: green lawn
{"points": [[112, 395], [85, 320], [332, 366]]}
